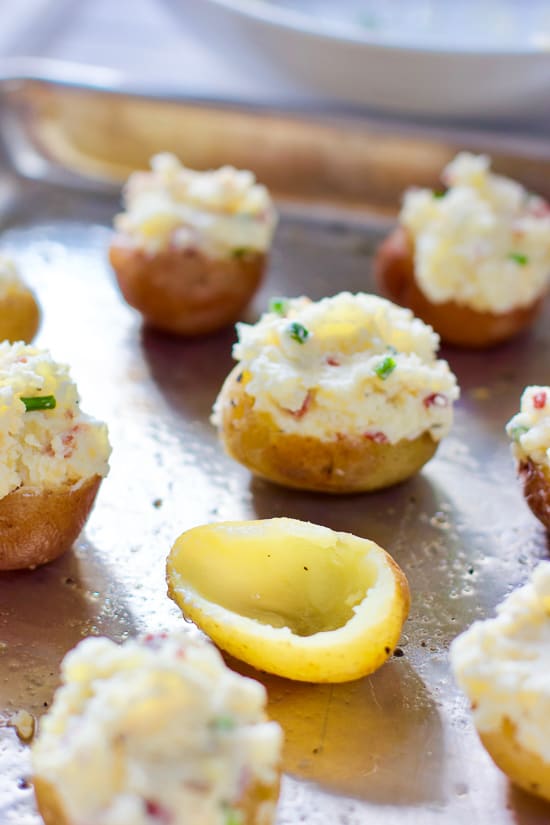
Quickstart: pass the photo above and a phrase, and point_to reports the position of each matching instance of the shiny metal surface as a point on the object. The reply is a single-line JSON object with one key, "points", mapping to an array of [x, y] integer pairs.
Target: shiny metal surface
{"points": [[397, 747]]}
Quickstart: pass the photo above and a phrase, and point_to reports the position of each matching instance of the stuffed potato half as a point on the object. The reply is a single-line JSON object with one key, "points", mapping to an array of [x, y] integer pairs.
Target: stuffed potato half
{"points": [[474, 260], [53, 461], [191, 248], [343, 395]]}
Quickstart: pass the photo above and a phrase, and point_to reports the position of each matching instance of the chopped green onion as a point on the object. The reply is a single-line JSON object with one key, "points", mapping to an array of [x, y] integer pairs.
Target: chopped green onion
{"points": [[517, 432], [279, 306], [233, 817], [519, 258], [385, 367], [241, 252], [39, 402], [439, 193], [298, 332], [224, 723]]}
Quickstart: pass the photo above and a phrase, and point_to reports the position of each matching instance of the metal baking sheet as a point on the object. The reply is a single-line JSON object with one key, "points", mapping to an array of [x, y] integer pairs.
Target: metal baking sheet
{"points": [[397, 747]]}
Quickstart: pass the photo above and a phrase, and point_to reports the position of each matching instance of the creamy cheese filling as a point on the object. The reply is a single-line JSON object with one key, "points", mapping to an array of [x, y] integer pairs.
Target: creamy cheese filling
{"points": [[10, 279], [484, 243], [530, 428], [222, 212], [502, 664], [353, 365], [44, 448], [156, 730]]}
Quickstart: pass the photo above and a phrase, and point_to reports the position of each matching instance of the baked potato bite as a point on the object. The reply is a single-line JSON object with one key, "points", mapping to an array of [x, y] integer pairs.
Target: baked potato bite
{"points": [[19, 312], [291, 598], [472, 261], [191, 247], [340, 396], [530, 434], [53, 458], [502, 666], [156, 730]]}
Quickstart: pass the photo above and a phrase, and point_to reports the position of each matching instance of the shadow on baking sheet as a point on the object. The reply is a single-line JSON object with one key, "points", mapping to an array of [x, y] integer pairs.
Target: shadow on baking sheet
{"points": [[47, 611], [379, 739], [189, 371]]}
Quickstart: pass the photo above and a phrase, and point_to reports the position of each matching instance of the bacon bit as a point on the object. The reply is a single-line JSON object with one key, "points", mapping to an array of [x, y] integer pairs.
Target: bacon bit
{"points": [[539, 400], [69, 414], [304, 408], [21, 360], [48, 450], [378, 438], [540, 210], [153, 639], [68, 441], [158, 812], [436, 399], [333, 362]]}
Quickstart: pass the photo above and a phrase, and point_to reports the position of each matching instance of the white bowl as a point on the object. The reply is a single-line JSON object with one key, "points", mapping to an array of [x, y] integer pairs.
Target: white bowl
{"points": [[347, 63]]}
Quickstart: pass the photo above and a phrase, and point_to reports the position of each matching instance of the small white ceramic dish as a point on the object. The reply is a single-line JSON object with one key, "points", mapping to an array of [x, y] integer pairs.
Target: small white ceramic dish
{"points": [[482, 60]]}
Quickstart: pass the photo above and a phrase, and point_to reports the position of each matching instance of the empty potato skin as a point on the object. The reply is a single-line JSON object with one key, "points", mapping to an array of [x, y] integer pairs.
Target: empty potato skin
{"points": [[345, 464], [19, 316], [455, 323], [183, 291], [535, 480], [257, 806], [38, 526], [525, 769]]}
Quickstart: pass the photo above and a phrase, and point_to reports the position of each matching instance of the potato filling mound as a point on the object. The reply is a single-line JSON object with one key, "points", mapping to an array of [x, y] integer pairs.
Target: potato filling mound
{"points": [[483, 243], [157, 730], [349, 365], [530, 428], [502, 664], [221, 212], [46, 441]]}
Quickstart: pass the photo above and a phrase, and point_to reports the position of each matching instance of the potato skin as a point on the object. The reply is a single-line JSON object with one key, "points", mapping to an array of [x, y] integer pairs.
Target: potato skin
{"points": [[343, 465], [37, 527], [535, 479], [523, 768], [257, 806], [455, 323], [184, 291], [19, 316]]}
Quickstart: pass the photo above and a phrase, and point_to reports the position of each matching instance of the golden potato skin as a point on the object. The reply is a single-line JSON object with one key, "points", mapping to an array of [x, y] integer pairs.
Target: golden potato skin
{"points": [[522, 767], [535, 479], [455, 323], [343, 465], [19, 316], [184, 291], [252, 807], [37, 527]]}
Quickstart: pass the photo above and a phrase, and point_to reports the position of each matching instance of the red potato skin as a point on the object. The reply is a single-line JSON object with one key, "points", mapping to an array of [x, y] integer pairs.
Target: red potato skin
{"points": [[183, 291], [456, 324], [342, 465], [523, 768], [535, 480], [37, 527]]}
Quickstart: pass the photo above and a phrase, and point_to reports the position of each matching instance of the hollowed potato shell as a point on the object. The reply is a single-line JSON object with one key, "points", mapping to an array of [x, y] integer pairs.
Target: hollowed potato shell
{"points": [[19, 316], [342, 465], [455, 323], [257, 806], [185, 291], [37, 527], [535, 479], [525, 769]]}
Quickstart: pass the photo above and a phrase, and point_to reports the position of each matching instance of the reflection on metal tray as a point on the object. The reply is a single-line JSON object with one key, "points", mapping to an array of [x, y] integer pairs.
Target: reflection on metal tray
{"points": [[397, 747]]}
